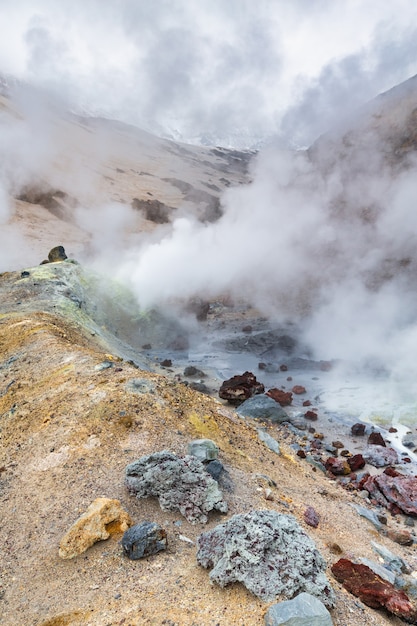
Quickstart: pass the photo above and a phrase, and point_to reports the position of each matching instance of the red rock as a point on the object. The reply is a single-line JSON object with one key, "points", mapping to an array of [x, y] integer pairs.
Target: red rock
{"points": [[298, 389], [240, 388], [403, 537], [307, 403], [283, 368], [311, 517], [284, 398], [301, 454], [358, 429], [311, 415], [394, 492], [376, 439], [338, 467], [356, 462], [373, 590]]}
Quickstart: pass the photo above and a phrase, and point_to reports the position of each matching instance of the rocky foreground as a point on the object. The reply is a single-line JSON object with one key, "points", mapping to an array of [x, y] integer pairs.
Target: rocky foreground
{"points": [[112, 509]]}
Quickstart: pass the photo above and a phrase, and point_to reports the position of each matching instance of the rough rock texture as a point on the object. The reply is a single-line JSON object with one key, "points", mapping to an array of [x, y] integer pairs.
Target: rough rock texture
{"points": [[180, 483], [394, 492], [356, 462], [284, 398], [380, 456], [268, 552], [239, 388], [143, 540], [373, 590], [103, 518], [311, 517], [263, 408], [203, 449], [303, 610], [338, 467]]}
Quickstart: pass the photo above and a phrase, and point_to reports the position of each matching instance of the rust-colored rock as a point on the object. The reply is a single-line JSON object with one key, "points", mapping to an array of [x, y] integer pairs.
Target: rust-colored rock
{"points": [[373, 590], [240, 388], [394, 492], [376, 439], [356, 462], [298, 389], [358, 429], [311, 517], [311, 415], [337, 467], [103, 518], [284, 398], [401, 536]]}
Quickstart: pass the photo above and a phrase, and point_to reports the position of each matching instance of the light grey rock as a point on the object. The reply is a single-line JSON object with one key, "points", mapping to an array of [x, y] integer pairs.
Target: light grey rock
{"points": [[393, 561], [269, 441], [180, 483], [269, 553], [368, 514], [379, 569], [203, 449], [262, 407], [303, 610], [380, 456], [140, 385]]}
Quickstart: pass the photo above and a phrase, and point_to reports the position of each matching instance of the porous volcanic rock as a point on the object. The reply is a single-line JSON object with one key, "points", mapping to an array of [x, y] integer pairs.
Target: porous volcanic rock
{"points": [[180, 483], [102, 518], [267, 552], [398, 492], [373, 590], [380, 456], [240, 387], [284, 398]]}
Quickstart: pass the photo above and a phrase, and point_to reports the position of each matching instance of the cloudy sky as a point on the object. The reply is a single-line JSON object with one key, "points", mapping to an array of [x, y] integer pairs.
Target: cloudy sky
{"points": [[213, 70]]}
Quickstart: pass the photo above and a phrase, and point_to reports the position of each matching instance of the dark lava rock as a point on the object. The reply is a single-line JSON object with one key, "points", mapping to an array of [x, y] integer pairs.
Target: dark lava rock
{"points": [[269, 553], [166, 363], [311, 517], [215, 469], [311, 415], [201, 387], [356, 462], [239, 388], [358, 429], [284, 398], [376, 439], [143, 540], [396, 493], [180, 483], [373, 590], [57, 254], [380, 456], [191, 371], [263, 408], [337, 467]]}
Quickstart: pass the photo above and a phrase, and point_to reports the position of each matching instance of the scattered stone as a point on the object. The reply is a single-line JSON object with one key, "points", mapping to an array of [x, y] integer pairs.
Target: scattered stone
{"points": [[303, 610], [264, 408], [373, 590], [338, 444], [201, 387], [239, 388], [166, 363], [284, 398], [380, 456], [337, 467], [191, 371], [301, 454], [283, 368], [247, 329], [311, 415], [104, 365], [392, 561], [368, 514], [396, 493], [311, 517], [143, 540], [269, 553], [203, 449], [358, 429], [180, 484], [376, 439], [402, 537], [298, 390], [215, 469], [269, 441], [356, 462], [57, 254], [103, 518], [307, 403]]}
